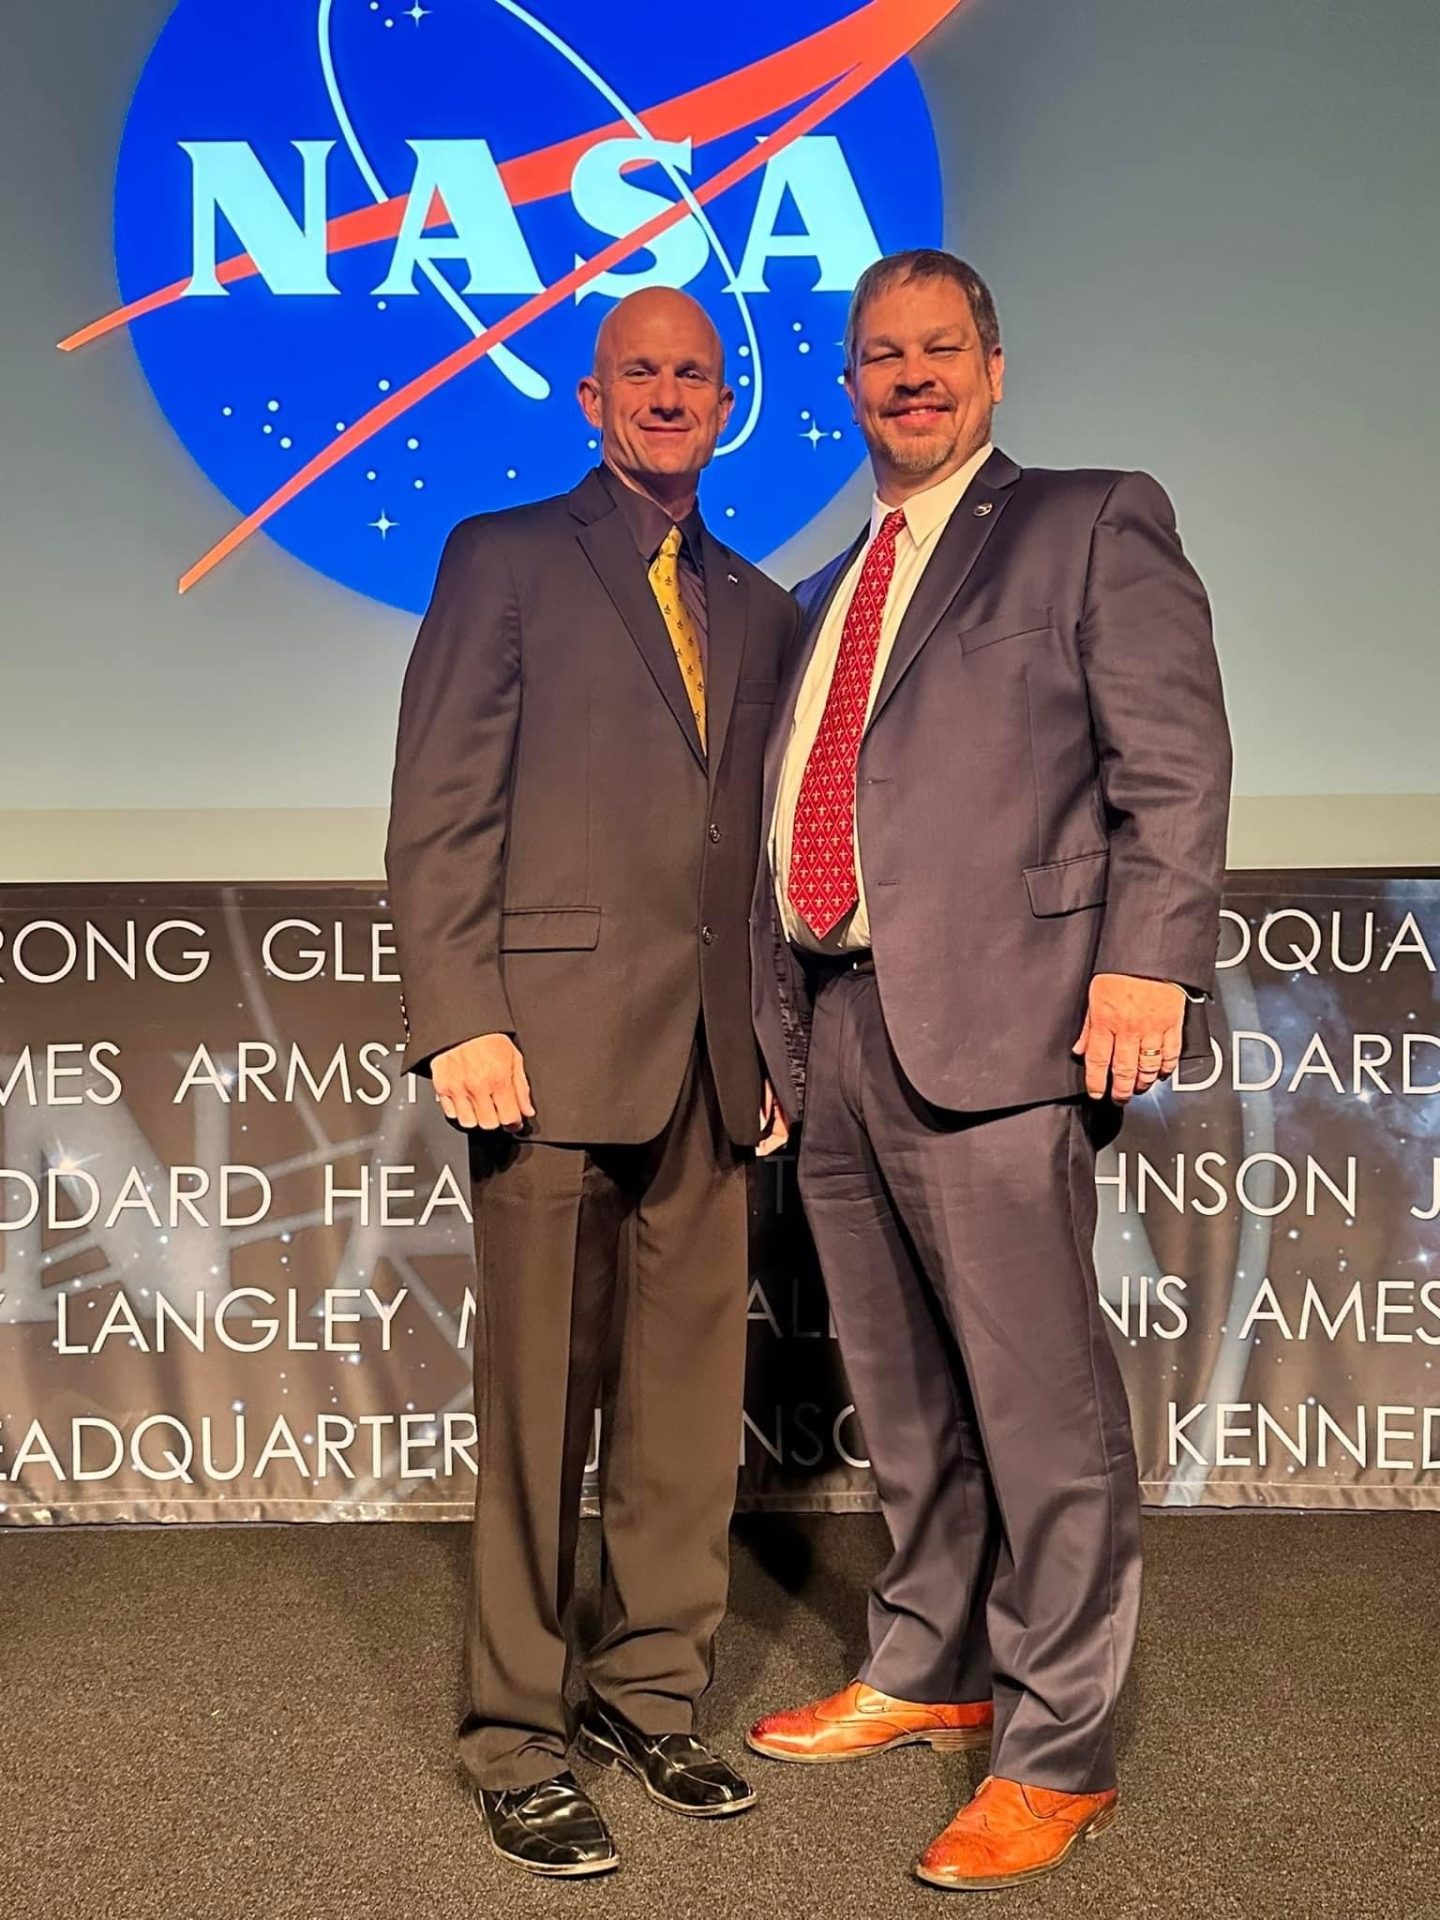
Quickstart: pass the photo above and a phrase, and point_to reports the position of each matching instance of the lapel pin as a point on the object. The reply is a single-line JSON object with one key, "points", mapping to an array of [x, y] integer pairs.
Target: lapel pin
{"points": [[986, 506], [733, 578]]}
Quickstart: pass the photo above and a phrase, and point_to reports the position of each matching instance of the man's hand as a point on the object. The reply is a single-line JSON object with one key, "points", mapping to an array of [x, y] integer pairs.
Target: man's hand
{"points": [[1131, 1035], [774, 1127], [483, 1084]]}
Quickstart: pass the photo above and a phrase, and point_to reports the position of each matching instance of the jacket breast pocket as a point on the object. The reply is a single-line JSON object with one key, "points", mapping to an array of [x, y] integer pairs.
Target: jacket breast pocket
{"points": [[1011, 626], [1064, 886], [548, 929]]}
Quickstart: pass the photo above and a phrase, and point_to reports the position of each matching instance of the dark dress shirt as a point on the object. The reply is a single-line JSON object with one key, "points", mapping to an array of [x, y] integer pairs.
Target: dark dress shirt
{"points": [[649, 524]]}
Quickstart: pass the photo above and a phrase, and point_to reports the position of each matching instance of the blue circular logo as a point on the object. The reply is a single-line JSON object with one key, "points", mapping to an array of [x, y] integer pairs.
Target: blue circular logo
{"points": [[364, 250]]}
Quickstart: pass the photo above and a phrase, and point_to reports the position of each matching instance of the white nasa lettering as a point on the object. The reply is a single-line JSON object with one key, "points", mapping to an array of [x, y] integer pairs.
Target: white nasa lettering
{"points": [[834, 226], [464, 174], [610, 203], [291, 256]]}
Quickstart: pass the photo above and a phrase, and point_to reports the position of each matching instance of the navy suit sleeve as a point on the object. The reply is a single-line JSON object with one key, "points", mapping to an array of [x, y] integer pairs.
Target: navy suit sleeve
{"points": [[1161, 735]]}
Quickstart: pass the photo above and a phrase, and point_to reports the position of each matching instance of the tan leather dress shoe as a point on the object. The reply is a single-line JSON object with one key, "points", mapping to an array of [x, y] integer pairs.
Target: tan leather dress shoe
{"points": [[859, 1721], [1011, 1832]]}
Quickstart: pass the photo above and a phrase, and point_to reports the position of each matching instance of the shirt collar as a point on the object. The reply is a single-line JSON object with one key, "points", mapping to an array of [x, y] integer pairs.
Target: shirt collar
{"points": [[927, 512], [649, 523]]}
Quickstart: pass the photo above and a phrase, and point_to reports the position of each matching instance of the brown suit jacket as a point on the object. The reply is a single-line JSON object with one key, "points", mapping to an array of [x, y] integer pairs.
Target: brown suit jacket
{"points": [[565, 863], [1042, 793]]}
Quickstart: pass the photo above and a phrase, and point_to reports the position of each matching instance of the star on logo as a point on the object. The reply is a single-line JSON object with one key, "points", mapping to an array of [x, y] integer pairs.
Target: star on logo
{"points": [[384, 523], [813, 435], [417, 13]]}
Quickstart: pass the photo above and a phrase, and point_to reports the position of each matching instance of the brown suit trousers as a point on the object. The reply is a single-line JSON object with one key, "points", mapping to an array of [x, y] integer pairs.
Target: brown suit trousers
{"points": [[610, 1276]]}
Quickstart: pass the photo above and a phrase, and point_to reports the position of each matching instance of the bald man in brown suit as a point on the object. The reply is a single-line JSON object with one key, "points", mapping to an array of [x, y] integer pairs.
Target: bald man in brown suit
{"points": [[573, 838]]}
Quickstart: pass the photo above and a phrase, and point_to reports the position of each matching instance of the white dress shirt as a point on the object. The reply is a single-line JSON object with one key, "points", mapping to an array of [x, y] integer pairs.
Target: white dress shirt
{"points": [[926, 515]]}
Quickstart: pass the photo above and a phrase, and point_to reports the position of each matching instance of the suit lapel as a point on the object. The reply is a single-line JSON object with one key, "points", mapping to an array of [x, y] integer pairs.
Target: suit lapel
{"points": [[960, 545], [611, 551], [727, 601]]}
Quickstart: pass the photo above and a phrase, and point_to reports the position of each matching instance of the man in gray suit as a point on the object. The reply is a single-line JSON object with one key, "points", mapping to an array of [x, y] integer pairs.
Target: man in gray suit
{"points": [[573, 836], [996, 797]]}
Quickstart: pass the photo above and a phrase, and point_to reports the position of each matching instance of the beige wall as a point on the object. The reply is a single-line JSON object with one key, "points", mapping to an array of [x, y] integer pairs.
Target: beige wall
{"points": [[1397, 831]]}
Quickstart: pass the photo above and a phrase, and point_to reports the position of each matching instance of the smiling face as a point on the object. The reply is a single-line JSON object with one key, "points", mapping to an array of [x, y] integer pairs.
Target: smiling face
{"points": [[922, 386], [657, 393]]}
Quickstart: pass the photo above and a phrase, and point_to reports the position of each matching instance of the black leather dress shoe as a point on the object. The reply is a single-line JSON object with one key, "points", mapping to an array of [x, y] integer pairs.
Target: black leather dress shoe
{"points": [[674, 1768], [553, 1829]]}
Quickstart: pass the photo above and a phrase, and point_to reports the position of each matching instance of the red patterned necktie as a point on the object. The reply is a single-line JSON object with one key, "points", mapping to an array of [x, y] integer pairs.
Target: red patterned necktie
{"points": [[823, 886]]}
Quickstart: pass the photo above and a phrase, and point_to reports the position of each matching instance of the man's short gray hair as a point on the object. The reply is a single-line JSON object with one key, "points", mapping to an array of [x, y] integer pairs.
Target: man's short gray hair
{"points": [[922, 263]]}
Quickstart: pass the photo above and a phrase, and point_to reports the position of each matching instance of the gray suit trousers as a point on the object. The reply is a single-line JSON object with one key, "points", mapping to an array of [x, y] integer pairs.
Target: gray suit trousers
{"points": [[957, 1255]]}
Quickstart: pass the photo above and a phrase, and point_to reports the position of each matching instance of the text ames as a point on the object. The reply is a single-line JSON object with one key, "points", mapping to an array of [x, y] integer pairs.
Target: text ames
{"points": [[45, 1076]]}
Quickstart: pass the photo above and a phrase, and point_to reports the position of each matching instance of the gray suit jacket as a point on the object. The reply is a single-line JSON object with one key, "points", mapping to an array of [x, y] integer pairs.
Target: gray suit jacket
{"points": [[565, 862], [1042, 789]]}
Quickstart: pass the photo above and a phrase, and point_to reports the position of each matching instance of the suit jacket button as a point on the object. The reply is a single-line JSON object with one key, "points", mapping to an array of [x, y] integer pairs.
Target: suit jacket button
{"points": [[707, 934], [714, 831]]}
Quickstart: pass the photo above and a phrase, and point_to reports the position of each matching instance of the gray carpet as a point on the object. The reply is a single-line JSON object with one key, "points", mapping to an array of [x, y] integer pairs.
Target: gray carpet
{"points": [[256, 1723]]}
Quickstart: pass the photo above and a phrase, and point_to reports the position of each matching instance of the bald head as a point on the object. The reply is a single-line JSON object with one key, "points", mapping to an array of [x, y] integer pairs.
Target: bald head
{"points": [[657, 316], [657, 393]]}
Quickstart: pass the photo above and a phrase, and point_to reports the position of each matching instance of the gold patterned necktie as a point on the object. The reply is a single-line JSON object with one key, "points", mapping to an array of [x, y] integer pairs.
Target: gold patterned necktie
{"points": [[665, 579]]}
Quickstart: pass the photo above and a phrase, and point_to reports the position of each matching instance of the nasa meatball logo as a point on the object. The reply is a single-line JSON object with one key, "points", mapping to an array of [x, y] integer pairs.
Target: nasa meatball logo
{"points": [[363, 250]]}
